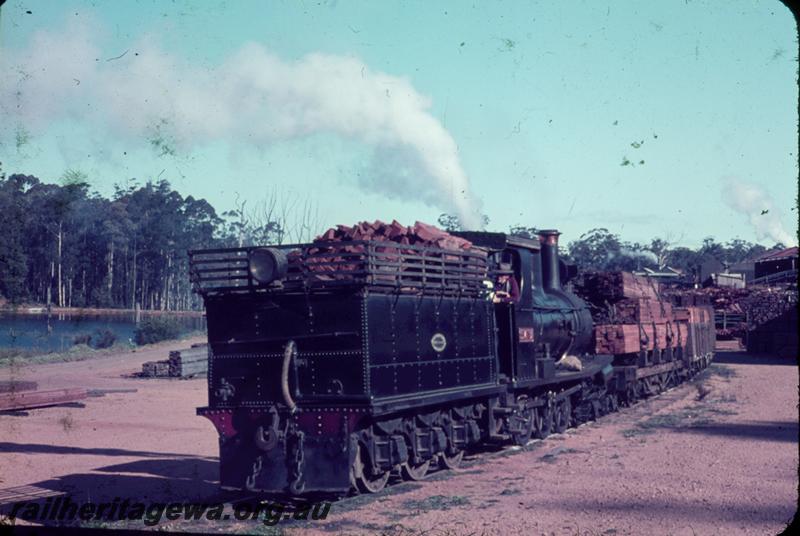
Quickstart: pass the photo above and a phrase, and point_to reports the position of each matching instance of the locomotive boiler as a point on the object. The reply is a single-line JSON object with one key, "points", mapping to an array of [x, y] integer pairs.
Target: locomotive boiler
{"points": [[335, 364]]}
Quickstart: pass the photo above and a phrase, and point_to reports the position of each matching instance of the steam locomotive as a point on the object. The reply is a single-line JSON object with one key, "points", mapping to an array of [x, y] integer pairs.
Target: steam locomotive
{"points": [[333, 365]]}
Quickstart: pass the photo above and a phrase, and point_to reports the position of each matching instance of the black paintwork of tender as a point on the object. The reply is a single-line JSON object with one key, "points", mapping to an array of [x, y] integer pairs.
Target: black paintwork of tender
{"points": [[354, 347]]}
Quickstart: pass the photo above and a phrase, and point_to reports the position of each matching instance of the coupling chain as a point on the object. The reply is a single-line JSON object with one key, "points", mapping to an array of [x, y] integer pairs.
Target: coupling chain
{"points": [[296, 484], [250, 482]]}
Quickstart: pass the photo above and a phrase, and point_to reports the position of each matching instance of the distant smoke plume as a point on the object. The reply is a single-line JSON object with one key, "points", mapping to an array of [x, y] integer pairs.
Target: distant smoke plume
{"points": [[755, 203], [252, 97], [643, 254]]}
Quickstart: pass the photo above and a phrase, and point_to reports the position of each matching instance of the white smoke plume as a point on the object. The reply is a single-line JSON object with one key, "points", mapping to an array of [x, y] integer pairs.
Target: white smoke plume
{"points": [[252, 97], [754, 202], [642, 253]]}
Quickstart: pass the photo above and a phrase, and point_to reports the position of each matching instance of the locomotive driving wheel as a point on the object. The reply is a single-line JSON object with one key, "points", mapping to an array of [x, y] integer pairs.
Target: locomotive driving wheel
{"points": [[561, 417], [543, 424], [365, 480], [524, 418]]}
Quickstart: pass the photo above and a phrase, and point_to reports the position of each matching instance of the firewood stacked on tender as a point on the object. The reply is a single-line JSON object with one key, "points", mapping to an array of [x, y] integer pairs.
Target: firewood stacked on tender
{"points": [[417, 234], [375, 253]]}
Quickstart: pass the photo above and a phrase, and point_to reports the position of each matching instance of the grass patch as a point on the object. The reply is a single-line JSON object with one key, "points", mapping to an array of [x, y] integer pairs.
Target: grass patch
{"points": [[18, 357], [687, 418], [79, 352], [510, 491], [551, 456], [357, 501], [436, 502], [445, 474], [67, 422]]}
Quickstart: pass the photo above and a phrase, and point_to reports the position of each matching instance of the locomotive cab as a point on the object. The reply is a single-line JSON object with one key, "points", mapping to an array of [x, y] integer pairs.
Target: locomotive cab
{"points": [[546, 322]]}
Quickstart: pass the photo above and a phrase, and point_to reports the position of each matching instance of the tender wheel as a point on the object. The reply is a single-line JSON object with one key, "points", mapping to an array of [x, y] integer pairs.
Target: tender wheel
{"points": [[416, 472], [561, 421], [366, 482], [451, 462]]}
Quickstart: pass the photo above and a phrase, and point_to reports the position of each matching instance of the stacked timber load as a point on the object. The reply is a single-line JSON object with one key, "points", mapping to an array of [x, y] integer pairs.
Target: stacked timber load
{"points": [[742, 309], [629, 313], [155, 369], [765, 304], [188, 363]]}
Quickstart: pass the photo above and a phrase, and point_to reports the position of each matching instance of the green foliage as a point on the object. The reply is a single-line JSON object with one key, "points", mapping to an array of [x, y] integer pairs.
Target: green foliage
{"points": [[523, 231], [118, 252], [81, 338], [103, 338], [13, 259], [602, 250], [156, 329]]}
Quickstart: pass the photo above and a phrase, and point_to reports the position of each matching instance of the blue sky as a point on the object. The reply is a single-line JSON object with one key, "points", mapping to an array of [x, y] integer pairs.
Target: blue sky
{"points": [[379, 110]]}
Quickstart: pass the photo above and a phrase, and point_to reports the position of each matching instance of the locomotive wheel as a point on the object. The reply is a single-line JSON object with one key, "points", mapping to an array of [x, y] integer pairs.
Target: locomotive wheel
{"points": [[544, 422], [630, 395], [561, 418], [526, 424], [367, 483], [451, 462], [416, 472], [613, 402]]}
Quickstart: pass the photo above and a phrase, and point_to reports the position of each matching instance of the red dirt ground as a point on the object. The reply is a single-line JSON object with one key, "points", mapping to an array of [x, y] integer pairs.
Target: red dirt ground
{"points": [[726, 463]]}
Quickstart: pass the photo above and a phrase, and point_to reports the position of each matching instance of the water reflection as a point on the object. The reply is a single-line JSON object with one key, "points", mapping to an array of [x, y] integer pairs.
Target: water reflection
{"points": [[59, 331]]}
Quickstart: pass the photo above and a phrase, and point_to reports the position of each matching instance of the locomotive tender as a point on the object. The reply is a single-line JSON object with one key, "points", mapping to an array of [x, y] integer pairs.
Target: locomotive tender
{"points": [[335, 364]]}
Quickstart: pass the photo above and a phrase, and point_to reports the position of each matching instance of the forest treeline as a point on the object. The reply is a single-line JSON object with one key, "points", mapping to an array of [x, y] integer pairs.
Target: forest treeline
{"points": [[601, 250], [65, 245]]}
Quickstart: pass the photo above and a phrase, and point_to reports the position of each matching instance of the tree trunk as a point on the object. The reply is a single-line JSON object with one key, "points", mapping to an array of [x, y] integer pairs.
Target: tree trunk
{"points": [[133, 295], [110, 271], [50, 285], [60, 285]]}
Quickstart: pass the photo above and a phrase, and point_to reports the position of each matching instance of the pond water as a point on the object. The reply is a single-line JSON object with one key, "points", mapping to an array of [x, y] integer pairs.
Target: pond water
{"points": [[57, 332]]}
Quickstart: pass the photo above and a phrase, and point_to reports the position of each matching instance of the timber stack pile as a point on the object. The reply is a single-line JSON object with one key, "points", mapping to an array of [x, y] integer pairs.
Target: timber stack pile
{"points": [[186, 363], [765, 304], [754, 305], [155, 369], [629, 313], [190, 362]]}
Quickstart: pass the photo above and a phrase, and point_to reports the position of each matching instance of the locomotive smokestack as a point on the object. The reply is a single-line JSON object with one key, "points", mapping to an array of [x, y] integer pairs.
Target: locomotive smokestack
{"points": [[551, 278]]}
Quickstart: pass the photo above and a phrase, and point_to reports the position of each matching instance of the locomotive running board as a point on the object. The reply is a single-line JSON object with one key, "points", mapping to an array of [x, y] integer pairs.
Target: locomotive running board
{"points": [[396, 403]]}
